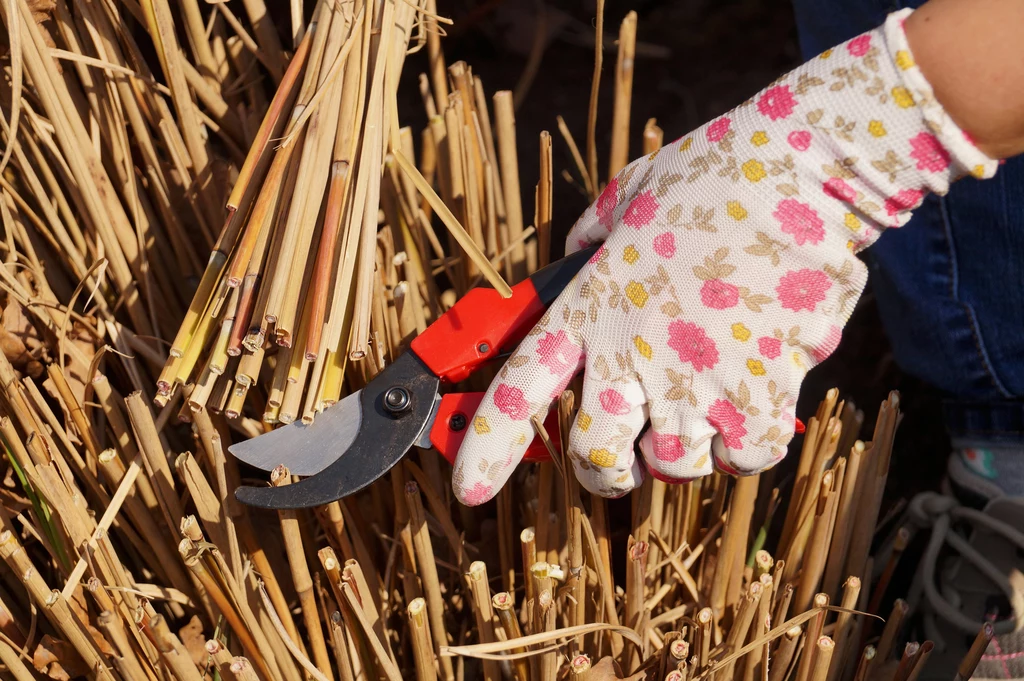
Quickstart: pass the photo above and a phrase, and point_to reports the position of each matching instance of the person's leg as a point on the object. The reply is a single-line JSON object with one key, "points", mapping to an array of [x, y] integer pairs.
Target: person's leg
{"points": [[950, 289]]}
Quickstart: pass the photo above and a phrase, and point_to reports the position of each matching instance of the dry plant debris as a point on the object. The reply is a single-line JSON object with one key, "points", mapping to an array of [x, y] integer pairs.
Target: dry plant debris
{"points": [[193, 172]]}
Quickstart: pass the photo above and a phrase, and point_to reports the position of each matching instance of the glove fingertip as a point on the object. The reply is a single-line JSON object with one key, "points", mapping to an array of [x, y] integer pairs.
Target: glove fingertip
{"points": [[474, 495]]}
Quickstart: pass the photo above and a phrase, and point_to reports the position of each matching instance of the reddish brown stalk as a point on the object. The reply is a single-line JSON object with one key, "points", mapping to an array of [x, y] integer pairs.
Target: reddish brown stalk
{"points": [[969, 663], [283, 98], [246, 302], [262, 216], [326, 257], [248, 293]]}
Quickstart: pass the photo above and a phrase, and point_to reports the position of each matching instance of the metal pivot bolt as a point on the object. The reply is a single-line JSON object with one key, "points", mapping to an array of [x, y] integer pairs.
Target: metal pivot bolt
{"points": [[457, 422], [483, 348], [397, 400]]}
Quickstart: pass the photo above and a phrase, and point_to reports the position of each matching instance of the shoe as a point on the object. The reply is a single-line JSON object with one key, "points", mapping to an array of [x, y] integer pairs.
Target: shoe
{"points": [[971, 572]]}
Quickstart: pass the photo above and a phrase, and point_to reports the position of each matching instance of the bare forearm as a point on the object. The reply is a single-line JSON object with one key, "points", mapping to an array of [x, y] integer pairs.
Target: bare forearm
{"points": [[972, 53]]}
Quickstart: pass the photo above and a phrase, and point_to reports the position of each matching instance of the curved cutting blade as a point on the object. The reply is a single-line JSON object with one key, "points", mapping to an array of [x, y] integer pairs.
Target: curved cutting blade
{"points": [[305, 447], [382, 440]]}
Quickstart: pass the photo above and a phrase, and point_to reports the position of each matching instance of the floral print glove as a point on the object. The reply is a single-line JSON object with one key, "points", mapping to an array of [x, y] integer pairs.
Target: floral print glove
{"points": [[728, 270]]}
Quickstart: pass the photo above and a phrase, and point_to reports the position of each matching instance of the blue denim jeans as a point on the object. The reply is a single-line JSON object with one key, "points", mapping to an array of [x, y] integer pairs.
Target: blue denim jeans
{"points": [[949, 284]]}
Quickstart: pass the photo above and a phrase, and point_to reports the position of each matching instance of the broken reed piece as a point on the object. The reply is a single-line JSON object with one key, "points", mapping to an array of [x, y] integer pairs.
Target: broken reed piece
{"points": [[545, 664], [822, 658], [845, 520], [965, 669], [504, 608], [814, 629], [705, 619], [301, 577], [481, 595], [636, 572], [871, 484], [917, 665], [844, 629], [907, 661], [726, 585], [545, 189], [428, 575], [762, 624], [785, 654], [619, 154], [528, 544], [220, 656], [899, 545], [867, 659], [893, 625], [422, 647], [243, 670], [579, 667], [814, 561], [745, 614]]}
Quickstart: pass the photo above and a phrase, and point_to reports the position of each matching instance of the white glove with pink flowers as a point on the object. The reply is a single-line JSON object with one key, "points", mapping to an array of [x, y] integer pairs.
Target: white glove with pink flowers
{"points": [[728, 270]]}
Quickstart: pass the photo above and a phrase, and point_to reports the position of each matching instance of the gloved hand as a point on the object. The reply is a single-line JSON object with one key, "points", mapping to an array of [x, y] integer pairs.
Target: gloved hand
{"points": [[728, 270]]}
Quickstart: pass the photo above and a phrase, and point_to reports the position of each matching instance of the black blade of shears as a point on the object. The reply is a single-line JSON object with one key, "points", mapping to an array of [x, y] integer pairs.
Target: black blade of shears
{"points": [[384, 438]]}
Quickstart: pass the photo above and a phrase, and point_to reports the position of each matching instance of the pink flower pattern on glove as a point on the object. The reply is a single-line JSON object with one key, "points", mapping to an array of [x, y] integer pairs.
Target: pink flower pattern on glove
{"points": [[803, 289], [828, 345], [799, 140], [728, 421], [606, 205], [477, 494], [800, 220], [668, 447], [693, 345], [641, 210], [719, 295], [665, 244], [903, 200], [558, 353], [860, 45], [769, 347], [510, 401], [929, 153], [837, 188], [613, 402], [728, 270], [717, 130], [777, 102]]}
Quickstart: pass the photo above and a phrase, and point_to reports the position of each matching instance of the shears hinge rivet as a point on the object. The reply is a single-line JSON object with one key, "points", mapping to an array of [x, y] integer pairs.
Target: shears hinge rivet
{"points": [[483, 348], [457, 422], [397, 400]]}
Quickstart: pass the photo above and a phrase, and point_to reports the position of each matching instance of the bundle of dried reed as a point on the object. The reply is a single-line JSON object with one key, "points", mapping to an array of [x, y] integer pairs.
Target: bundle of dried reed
{"points": [[124, 554], [128, 560]]}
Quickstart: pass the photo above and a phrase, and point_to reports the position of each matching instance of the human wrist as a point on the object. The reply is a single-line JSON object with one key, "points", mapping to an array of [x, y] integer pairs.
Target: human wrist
{"points": [[972, 56]]}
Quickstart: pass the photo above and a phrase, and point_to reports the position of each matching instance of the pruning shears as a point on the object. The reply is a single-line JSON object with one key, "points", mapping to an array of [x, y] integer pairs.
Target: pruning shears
{"points": [[356, 441], [359, 439]]}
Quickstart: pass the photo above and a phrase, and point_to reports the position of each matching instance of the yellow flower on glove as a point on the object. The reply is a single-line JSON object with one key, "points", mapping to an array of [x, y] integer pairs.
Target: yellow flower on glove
{"points": [[754, 170], [636, 293], [602, 458], [902, 97], [740, 332], [642, 347], [736, 210]]}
